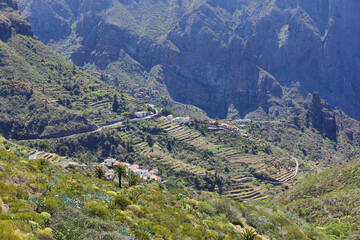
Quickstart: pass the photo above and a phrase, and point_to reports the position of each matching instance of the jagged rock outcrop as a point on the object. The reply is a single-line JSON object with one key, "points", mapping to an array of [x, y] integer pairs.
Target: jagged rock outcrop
{"points": [[321, 116], [11, 21], [211, 51]]}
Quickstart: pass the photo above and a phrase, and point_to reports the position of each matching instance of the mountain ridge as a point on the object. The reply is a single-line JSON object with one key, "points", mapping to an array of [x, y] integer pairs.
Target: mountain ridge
{"points": [[214, 49]]}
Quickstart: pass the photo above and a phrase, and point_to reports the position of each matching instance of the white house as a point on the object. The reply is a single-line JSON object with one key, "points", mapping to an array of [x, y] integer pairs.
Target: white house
{"points": [[182, 119], [109, 162], [170, 117], [243, 120], [141, 114]]}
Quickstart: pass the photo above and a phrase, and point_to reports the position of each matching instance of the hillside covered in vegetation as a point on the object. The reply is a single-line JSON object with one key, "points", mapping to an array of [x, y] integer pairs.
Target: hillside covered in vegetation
{"points": [[330, 200], [42, 201], [42, 94]]}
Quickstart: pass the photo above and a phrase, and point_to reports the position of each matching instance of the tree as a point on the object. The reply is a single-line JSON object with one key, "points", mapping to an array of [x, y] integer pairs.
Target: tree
{"points": [[150, 140], [115, 105], [63, 150], [248, 234], [74, 69], [166, 112], [134, 179], [121, 171], [99, 172]]}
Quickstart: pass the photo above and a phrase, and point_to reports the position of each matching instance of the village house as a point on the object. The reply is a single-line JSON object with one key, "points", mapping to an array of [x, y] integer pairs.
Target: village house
{"points": [[155, 178], [170, 117], [182, 119], [140, 114], [155, 172], [243, 121], [109, 162]]}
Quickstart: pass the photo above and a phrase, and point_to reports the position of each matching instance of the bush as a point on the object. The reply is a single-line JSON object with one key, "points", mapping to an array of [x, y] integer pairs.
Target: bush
{"points": [[121, 202], [139, 235], [9, 233], [166, 112], [43, 234], [96, 209], [50, 205]]}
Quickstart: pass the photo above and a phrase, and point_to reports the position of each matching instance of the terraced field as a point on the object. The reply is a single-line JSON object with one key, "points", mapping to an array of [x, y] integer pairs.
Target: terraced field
{"points": [[185, 134], [241, 188], [49, 156], [165, 160]]}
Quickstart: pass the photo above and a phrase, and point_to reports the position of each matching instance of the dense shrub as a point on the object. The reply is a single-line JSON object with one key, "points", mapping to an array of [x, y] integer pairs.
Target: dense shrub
{"points": [[121, 202], [50, 205], [96, 209]]}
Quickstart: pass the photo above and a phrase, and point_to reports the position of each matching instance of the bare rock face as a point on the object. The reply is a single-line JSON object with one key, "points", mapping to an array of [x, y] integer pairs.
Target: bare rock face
{"points": [[215, 53], [321, 116], [11, 21]]}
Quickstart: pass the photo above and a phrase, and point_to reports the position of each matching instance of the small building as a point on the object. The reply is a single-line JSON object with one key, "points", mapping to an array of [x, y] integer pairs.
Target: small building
{"points": [[140, 114], [133, 168], [155, 172], [144, 173], [155, 178], [243, 121], [170, 117], [109, 162], [35, 155], [116, 163], [182, 119], [74, 164]]}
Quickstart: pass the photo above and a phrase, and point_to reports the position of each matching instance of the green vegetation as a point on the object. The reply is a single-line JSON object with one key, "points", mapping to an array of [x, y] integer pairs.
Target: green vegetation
{"points": [[99, 172], [329, 200], [42, 94], [41, 201], [166, 112], [121, 172]]}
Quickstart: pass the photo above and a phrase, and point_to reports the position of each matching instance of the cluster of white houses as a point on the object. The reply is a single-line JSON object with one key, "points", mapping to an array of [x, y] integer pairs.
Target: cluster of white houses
{"points": [[110, 163]]}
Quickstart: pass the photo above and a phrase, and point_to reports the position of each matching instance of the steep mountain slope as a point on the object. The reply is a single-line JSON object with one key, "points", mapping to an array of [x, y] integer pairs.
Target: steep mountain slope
{"points": [[330, 200], [213, 54], [320, 135], [41, 93]]}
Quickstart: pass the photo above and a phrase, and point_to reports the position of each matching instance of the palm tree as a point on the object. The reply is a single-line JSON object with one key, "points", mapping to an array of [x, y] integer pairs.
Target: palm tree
{"points": [[134, 179], [248, 234], [121, 171], [99, 172]]}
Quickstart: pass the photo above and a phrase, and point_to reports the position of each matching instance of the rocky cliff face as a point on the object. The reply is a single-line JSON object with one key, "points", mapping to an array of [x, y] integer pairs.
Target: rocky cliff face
{"points": [[321, 116], [11, 21], [218, 53]]}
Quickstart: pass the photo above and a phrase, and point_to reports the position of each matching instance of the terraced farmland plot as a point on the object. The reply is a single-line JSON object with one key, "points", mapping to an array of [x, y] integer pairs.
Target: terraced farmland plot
{"points": [[284, 175], [174, 164], [186, 135], [136, 140], [242, 190]]}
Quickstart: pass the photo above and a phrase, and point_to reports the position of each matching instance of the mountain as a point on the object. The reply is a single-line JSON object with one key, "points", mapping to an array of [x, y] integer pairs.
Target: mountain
{"points": [[214, 54], [42, 94]]}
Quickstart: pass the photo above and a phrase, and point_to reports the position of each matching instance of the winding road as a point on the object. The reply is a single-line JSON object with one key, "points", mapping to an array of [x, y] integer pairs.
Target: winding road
{"points": [[290, 178], [279, 182], [109, 125]]}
